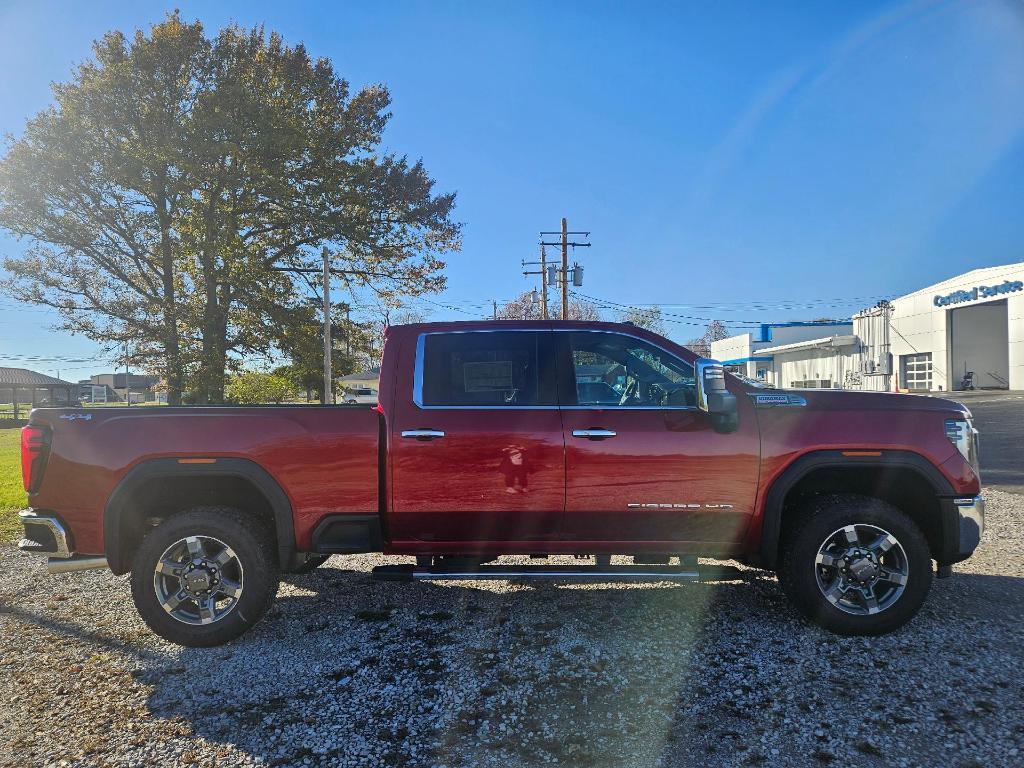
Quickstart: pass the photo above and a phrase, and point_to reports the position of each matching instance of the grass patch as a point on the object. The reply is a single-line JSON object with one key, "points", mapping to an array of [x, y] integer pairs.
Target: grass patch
{"points": [[12, 494]]}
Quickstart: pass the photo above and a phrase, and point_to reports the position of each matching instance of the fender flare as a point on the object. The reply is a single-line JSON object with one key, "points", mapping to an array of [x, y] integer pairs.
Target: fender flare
{"points": [[771, 527], [117, 508]]}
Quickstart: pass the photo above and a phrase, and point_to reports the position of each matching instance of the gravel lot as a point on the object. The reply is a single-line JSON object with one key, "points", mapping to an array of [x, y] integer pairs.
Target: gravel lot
{"points": [[345, 672]]}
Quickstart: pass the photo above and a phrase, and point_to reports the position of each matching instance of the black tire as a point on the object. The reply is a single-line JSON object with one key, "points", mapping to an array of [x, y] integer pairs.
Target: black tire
{"points": [[311, 563], [815, 522], [252, 545]]}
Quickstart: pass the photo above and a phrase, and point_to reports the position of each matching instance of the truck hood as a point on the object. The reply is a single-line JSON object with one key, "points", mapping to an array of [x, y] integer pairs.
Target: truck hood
{"points": [[851, 400]]}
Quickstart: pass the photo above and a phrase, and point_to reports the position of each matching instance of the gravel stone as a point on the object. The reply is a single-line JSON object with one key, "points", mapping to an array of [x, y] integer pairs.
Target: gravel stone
{"points": [[346, 672]]}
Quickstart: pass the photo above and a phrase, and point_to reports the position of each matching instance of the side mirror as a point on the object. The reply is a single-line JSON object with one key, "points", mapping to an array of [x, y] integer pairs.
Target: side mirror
{"points": [[713, 398]]}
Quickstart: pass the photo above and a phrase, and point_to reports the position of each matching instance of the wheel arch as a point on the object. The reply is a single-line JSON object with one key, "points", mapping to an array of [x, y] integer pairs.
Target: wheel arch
{"points": [[906, 479], [239, 479]]}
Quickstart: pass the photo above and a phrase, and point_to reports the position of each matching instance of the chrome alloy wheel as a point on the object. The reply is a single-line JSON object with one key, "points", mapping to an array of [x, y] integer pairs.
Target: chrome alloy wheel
{"points": [[861, 569], [198, 580]]}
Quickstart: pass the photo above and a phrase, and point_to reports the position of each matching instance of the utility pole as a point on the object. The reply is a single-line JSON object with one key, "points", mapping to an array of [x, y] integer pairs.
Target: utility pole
{"points": [[127, 381], [543, 272], [577, 272], [565, 269], [348, 331], [328, 379], [543, 283]]}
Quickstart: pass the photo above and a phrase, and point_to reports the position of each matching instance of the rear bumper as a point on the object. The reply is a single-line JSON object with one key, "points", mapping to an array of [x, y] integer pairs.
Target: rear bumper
{"points": [[964, 518], [44, 535]]}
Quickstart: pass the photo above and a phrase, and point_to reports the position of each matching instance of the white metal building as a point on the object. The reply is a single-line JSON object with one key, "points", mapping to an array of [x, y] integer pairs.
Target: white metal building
{"points": [[965, 331], [788, 354]]}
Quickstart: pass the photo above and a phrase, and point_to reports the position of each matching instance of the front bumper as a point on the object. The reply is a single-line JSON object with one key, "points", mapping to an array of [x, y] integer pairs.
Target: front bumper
{"points": [[963, 523], [970, 523], [44, 535]]}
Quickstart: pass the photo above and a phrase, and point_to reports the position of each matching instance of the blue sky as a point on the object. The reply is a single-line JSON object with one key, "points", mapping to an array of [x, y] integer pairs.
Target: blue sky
{"points": [[729, 158]]}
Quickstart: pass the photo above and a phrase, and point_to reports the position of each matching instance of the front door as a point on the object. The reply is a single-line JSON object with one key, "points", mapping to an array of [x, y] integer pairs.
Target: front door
{"points": [[643, 464], [477, 447]]}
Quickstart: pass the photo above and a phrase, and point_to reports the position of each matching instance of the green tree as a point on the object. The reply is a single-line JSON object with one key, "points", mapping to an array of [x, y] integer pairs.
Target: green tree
{"points": [[254, 387], [176, 175], [301, 340]]}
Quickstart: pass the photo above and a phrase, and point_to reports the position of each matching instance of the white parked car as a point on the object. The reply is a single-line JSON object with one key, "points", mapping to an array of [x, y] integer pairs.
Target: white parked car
{"points": [[362, 395]]}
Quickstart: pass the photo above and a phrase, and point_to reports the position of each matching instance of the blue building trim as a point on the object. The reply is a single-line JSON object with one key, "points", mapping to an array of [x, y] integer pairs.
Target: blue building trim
{"points": [[738, 360], [766, 328]]}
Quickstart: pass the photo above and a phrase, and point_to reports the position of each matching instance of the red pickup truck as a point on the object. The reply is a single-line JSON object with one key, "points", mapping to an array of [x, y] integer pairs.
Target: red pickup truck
{"points": [[506, 437]]}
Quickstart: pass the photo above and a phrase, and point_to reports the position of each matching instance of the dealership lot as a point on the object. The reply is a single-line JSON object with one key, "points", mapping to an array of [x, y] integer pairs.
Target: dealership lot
{"points": [[345, 672], [999, 417]]}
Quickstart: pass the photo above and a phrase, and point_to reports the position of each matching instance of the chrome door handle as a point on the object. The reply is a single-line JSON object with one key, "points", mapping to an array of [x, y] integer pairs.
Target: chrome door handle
{"points": [[423, 434], [593, 434]]}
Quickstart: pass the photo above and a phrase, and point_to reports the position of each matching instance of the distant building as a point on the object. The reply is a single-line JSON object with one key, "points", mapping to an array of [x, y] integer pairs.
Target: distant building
{"points": [[26, 389], [775, 353], [966, 332], [362, 380], [110, 388]]}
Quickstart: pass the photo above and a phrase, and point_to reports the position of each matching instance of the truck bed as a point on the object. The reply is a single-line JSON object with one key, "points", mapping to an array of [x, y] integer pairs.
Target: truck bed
{"points": [[325, 458]]}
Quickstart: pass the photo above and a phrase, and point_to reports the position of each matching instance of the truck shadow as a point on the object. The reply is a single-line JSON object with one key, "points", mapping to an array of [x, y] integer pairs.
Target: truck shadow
{"points": [[456, 674]]}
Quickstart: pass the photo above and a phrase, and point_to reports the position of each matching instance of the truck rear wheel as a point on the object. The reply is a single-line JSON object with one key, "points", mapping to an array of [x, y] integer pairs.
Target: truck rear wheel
{"points": [[204, 577], [855, 565]]}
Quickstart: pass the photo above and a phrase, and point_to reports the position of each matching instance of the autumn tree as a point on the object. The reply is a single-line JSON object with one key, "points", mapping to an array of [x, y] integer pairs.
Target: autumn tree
{"points": [[715, 331], [523, 307], [644, 317], [177, 179]]}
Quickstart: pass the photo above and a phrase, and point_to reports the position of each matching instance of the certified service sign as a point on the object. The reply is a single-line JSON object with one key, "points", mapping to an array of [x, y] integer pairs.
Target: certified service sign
{"points": [[980, 292]]}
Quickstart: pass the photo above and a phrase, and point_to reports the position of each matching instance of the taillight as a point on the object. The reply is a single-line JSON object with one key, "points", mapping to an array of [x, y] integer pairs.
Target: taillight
{"points": [[35, 450]]}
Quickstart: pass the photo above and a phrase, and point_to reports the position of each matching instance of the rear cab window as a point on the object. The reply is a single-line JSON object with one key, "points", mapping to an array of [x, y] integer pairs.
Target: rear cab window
{"points": [[485, 369]]}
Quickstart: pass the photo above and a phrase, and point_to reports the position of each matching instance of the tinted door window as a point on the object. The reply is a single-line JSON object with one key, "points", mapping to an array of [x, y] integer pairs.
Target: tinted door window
{"points": [[612, 370], [485, 369]]}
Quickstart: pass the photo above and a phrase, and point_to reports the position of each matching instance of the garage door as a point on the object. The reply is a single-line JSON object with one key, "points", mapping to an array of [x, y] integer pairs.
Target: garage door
{"points": [[917, 371]]}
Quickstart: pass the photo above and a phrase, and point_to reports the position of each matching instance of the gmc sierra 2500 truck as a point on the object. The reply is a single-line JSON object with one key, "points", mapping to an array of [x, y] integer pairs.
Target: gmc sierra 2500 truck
{"points": [[506, 437]]}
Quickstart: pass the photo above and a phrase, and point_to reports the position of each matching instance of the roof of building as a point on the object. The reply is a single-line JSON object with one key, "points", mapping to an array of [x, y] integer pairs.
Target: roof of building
{"points": [[991, 275], [23, 377], [373, 373], [767, 328], [846, 340]]}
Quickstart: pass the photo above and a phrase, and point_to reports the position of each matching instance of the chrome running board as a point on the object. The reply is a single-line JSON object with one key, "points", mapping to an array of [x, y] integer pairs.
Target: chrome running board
{"points": [[72, 564], [566, 572]]}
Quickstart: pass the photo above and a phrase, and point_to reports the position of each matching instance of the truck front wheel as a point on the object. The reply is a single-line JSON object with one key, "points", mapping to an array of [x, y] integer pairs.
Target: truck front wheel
{"points": [[855, 565], [203, 577]]}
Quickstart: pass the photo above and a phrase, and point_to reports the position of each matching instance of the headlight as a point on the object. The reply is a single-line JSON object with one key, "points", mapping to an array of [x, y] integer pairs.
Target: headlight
{"points": [[964, 436]]}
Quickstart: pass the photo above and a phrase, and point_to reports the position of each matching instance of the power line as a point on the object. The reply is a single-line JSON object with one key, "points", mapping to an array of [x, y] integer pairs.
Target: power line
{"points": [[614, 304]]}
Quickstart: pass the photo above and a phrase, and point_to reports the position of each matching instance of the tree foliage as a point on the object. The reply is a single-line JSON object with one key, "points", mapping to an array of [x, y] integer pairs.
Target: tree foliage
{"points": [[523, 308], [255, 387], [715, 331], [175, 175], [644, 317]]}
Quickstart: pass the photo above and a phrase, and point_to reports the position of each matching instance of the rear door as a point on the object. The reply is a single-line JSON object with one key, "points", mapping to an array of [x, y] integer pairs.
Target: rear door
{"points": [[477, 448], [643, 464]]}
